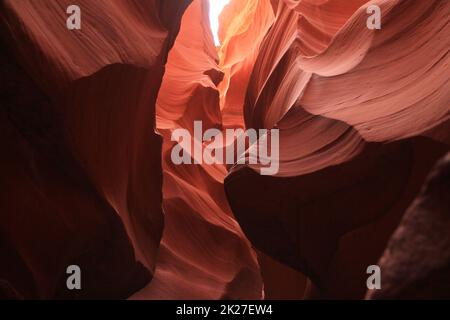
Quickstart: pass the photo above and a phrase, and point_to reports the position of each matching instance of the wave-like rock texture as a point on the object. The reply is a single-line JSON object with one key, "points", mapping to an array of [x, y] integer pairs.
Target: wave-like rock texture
{"points": [[87, 116], [243, 26], [416, 263], [363, 115], [81, 173], [204, 254]]}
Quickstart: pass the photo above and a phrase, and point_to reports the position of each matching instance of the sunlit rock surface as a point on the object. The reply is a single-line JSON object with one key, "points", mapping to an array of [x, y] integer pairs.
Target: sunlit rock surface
{"points": [[362, 117], [204, 254], [86, 175]]}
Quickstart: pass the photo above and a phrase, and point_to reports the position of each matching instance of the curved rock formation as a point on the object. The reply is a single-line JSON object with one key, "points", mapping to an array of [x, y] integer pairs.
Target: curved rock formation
{"points": [[86, 124], [203, 254], [243, 26], [351, 104], [82, 180]]}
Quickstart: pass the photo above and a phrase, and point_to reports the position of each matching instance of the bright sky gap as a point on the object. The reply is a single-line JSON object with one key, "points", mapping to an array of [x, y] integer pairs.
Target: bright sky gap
{"points": [[215, 8]]}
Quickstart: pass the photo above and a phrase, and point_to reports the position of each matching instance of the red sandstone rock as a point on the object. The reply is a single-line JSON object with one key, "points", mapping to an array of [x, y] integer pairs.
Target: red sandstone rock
{"points": [[203, 254], [93, 181], [341, 94], [363, 115]]}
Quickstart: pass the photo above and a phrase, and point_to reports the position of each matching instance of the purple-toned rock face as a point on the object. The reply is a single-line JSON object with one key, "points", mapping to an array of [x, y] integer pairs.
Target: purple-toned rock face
{"points": [[416, 263]]}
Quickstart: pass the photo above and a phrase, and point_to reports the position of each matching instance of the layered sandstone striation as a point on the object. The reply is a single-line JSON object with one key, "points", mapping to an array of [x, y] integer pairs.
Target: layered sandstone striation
{"points": [[204, 253], [82, 177], [363, 116], [86, 124]]}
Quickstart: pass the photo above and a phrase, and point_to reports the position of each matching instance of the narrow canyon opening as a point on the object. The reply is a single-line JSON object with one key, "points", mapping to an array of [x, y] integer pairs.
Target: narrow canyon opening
{"points": [[93, 204], [215, 9]]}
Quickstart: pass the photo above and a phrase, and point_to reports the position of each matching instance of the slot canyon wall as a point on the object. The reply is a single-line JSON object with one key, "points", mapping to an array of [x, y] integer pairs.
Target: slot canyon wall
{"points": [[87, 179]]}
